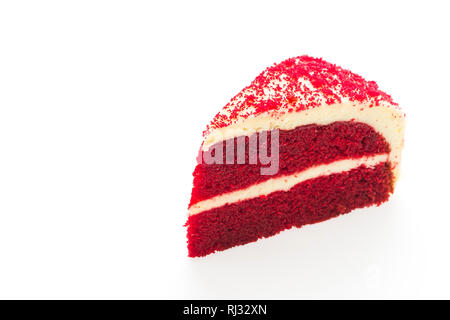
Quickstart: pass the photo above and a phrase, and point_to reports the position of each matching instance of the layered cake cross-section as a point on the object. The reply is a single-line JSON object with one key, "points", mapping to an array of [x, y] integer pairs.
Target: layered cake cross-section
{"points": [[304, 142]]}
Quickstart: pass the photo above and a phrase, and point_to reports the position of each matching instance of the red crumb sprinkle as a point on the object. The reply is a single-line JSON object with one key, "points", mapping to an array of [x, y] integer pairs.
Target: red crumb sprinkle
{"points": [[298, 84]]}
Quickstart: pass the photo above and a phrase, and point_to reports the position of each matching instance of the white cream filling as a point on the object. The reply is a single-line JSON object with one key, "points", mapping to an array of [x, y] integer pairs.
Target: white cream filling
{"points": [[285, 183], [385, 119]]}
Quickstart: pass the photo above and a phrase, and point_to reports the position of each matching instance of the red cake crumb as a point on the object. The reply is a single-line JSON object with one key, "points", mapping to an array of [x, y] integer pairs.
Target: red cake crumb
{"points": [[308, 202], [329, 84], [299, 149]]}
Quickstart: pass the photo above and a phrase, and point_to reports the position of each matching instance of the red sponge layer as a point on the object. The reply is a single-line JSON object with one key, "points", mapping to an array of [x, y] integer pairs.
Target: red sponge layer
{"points": [[308, 202], [299, 149]]}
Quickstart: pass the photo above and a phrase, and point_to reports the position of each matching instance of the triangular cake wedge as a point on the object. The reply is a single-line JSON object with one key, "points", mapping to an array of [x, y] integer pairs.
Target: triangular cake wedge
{"points": [[306, 141]]}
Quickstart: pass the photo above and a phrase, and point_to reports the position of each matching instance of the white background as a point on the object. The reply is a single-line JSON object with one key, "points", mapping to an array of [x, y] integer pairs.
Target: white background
{"points": [[102, 106]]}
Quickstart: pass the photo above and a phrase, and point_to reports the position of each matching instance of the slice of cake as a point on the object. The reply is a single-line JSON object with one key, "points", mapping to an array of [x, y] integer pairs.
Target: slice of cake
{"points": [[304, 142]]}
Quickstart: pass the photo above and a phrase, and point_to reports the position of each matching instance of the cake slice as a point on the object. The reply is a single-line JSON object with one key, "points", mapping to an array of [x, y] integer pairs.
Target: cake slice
{"points": [[304, 142]]}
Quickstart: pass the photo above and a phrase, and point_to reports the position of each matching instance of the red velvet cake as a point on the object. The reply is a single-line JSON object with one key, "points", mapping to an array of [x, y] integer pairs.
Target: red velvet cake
{"points": [[304, 142]]}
